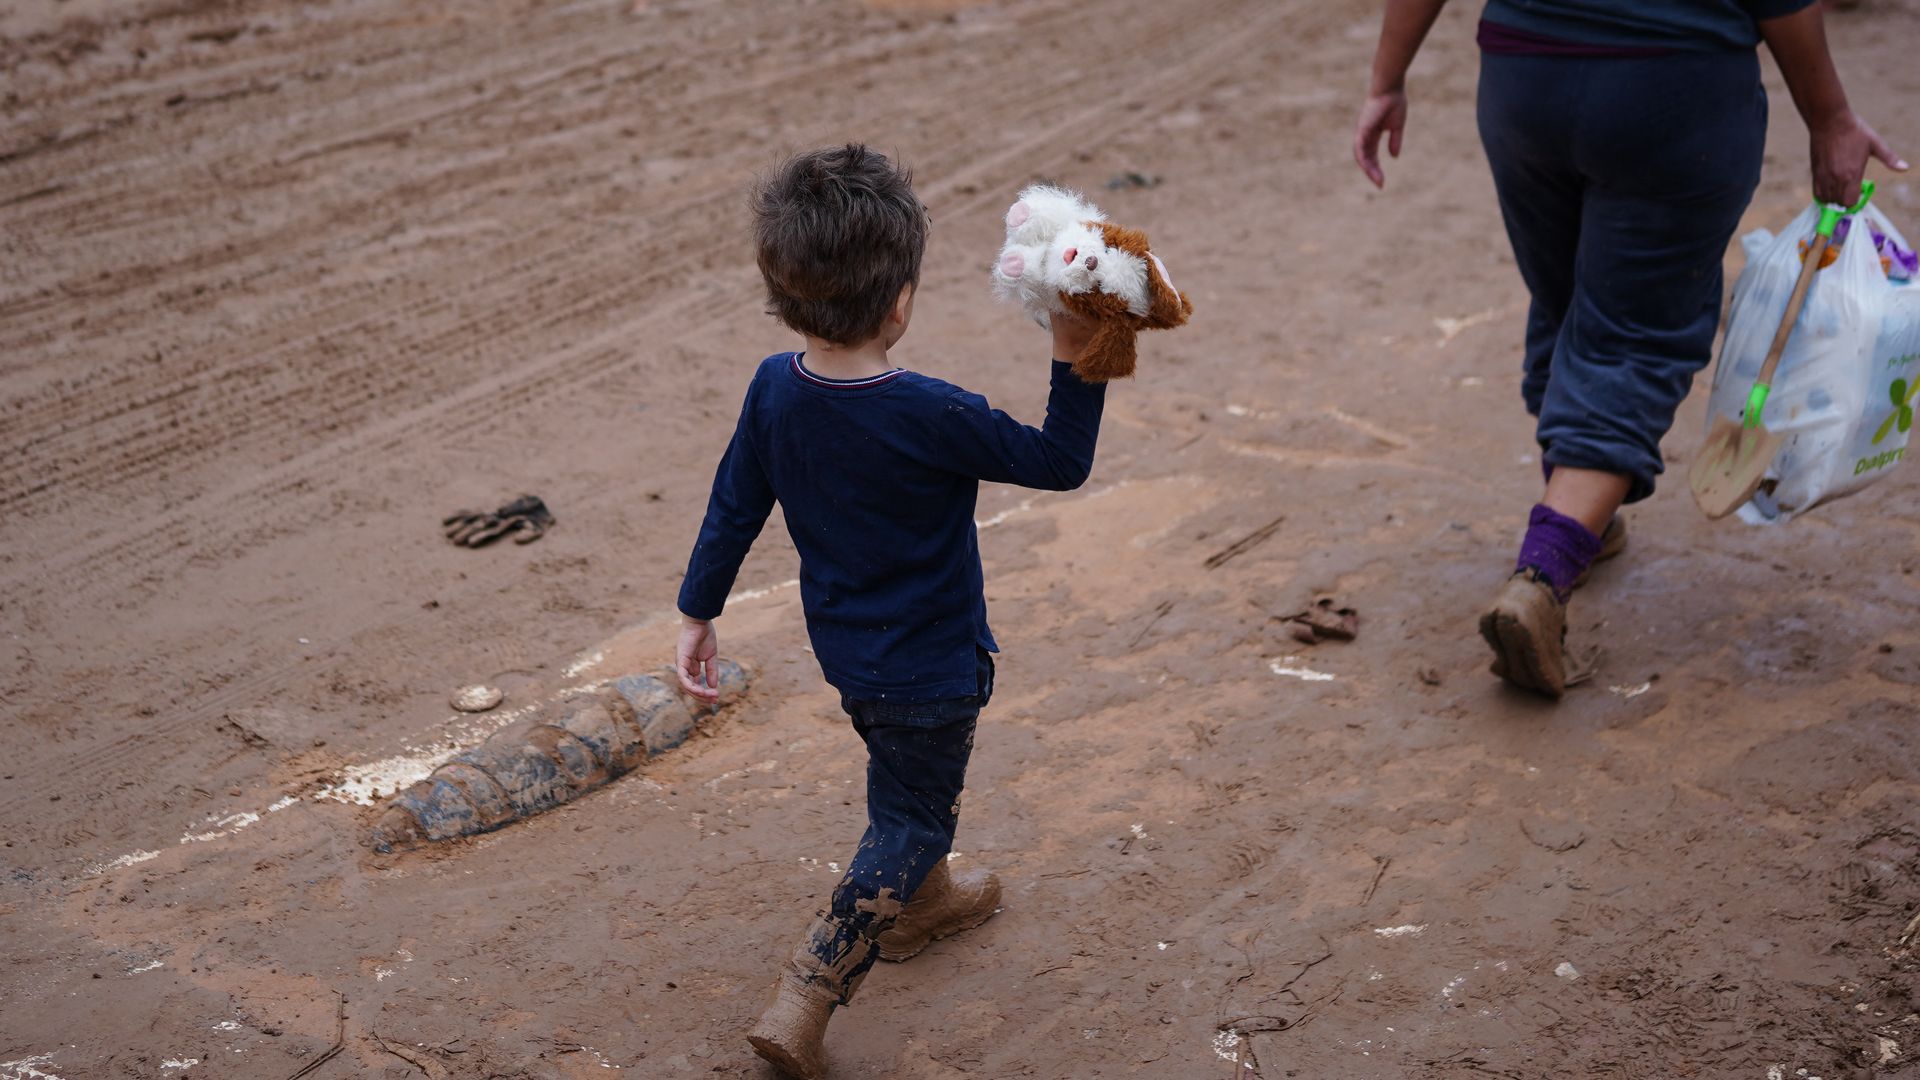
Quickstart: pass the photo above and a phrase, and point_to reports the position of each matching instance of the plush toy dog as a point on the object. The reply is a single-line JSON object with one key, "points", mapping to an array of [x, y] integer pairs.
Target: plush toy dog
{"points": [[1062, 254]]}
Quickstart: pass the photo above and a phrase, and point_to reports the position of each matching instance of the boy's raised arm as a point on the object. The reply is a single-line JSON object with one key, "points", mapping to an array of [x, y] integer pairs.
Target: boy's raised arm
{"points": [[1058, 456]]}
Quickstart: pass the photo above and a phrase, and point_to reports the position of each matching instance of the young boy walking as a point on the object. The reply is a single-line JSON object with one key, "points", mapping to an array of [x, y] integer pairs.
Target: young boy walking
{"points": [[876, 470]]}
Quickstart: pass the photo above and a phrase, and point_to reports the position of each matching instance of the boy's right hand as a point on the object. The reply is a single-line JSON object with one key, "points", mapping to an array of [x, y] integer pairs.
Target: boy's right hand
{"points": [[1071, 334], [694, 659]]}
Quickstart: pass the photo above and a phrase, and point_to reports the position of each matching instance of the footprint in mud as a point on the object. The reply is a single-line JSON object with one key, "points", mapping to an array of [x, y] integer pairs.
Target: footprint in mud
{"points": [[1795, 648]]}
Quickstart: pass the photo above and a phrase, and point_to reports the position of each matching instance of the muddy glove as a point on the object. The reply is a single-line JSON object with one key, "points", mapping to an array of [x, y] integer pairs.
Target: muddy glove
{"points": [[525, 518], [1324, 621]]}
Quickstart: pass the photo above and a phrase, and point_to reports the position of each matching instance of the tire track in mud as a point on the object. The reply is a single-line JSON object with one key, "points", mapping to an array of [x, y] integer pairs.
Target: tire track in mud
{"points": [[348, 130], [490, 389], [183, 67], [339, 121], [435, 328], [69, 414], [265, 173], [295, 498], [262, 406]]}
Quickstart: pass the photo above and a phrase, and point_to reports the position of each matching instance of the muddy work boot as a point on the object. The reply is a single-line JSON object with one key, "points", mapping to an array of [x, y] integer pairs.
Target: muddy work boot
{"points": [[1527, 629], [821, 975], [943, 906]]}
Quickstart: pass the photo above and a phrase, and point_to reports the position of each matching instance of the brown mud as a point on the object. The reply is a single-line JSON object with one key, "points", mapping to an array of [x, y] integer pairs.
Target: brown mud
{"points": [[285, 283]]}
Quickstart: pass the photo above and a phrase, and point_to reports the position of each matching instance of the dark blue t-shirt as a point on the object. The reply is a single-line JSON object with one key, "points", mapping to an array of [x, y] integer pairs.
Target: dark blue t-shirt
{"points": [[1685, 25], [877, 479]]}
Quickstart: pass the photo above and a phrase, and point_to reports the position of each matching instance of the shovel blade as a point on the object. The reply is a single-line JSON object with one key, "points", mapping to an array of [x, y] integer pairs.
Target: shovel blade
{"points": [[1730, 466]]}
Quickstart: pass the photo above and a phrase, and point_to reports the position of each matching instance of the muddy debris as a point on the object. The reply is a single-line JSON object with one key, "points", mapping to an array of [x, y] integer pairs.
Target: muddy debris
{"points": [[1325, 620], [536, 765], [526, 519]]}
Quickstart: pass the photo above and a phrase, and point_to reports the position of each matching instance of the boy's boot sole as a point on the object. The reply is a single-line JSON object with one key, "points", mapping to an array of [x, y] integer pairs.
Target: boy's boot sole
{"points": [[1526, 628], [942, 906]]}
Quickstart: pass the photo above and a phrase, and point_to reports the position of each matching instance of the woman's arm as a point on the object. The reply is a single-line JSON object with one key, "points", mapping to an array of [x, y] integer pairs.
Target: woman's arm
{"points": [[1403, 28], [1840, 142]]}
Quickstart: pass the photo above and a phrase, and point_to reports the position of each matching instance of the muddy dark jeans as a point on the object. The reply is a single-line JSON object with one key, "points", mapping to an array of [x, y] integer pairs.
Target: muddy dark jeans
{"points": [[916, 765], [1621, 181]]}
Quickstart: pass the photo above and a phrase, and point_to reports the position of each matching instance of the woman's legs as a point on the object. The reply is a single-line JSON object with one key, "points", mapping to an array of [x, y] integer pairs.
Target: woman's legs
{"points": [[1540, 195], [1664, 154]]}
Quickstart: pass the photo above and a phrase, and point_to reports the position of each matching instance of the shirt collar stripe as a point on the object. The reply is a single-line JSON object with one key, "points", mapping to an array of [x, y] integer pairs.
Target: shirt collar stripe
{"points": [[800, 369]]}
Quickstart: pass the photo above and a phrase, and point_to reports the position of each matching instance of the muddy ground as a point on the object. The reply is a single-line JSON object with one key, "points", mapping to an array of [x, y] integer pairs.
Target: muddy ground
{"points": [[285, 282]]}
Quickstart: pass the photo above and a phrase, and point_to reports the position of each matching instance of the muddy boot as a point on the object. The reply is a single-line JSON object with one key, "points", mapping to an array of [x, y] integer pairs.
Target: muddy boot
{"points": [[1527, 629], [792, 1032], [943, 905], [1612, 542]]}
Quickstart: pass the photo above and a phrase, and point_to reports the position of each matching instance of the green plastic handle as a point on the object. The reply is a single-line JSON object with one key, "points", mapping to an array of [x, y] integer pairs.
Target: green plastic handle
{"points": [[1830, 214], [1756, 403]]}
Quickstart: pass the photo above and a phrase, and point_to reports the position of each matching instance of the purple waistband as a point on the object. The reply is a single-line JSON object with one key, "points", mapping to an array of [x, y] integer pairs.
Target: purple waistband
{"points": [[1502, 40]]}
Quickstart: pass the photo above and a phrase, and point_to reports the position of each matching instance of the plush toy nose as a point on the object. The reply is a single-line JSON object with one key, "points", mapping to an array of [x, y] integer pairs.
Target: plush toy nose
{"points": [[1093, 263], [1071, 254]]}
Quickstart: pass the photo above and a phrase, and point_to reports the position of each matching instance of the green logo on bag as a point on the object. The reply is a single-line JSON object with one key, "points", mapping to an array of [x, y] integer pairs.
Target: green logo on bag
{"points": [[1902, 414]]}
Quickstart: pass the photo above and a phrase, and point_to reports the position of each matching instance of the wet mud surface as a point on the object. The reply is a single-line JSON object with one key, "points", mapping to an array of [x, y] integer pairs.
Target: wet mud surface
{"points": [[285, 284]]}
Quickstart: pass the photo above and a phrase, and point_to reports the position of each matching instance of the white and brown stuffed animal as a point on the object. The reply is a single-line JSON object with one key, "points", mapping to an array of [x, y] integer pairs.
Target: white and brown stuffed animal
{"points": [[1062, 254]]}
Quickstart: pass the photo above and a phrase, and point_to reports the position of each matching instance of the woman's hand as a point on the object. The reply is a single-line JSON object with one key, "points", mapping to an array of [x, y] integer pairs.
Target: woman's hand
{"points": [[1403, 26], [1383, 114], [1840, 142], [1840, 149]]}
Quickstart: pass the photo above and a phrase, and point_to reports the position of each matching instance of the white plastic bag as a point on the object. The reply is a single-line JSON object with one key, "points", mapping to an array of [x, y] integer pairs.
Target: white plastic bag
{"points": [[1832, 395]]}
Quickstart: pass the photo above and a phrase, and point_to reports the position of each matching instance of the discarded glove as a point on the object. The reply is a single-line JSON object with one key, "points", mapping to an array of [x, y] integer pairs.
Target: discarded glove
{"points": [[1323, 622], [526, 519]]}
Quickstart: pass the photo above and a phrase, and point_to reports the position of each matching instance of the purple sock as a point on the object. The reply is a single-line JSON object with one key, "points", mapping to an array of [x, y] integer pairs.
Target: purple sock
{"points": [[1557, 546]]}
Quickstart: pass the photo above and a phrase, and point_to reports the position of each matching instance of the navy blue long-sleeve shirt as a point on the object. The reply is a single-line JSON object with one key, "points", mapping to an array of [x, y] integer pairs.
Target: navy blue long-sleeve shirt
{"points": [[877, 479]]}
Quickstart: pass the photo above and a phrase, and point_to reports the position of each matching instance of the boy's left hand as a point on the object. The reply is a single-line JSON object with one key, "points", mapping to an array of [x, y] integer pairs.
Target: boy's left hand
{"points": [[694, 659]]}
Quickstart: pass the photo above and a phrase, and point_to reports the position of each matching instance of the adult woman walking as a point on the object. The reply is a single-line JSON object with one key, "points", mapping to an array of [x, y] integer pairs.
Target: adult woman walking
{"points": [[1625, 138]]}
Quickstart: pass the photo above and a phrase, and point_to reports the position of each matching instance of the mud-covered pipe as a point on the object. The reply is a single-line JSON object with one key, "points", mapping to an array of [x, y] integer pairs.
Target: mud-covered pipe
{"points": [[537, 765]]}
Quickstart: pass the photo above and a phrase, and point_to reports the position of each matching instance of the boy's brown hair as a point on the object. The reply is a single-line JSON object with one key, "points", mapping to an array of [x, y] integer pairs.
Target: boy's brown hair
{"points": [[838, 231]]}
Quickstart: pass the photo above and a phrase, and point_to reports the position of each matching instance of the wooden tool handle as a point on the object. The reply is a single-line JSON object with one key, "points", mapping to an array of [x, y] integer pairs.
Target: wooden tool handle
{"points": [[1808, 268]]}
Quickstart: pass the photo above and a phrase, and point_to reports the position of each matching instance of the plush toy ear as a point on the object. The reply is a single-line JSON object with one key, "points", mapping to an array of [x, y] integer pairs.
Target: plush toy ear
{"points": [[1110, 354], [1166, 308]]}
